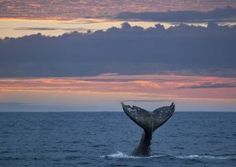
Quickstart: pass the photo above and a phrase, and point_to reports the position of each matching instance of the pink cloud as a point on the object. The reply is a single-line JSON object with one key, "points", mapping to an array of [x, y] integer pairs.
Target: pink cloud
{"points": [[89, 8], [151, 85]]}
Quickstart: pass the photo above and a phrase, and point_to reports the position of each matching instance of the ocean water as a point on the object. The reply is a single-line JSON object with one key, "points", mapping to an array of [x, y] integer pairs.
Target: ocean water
{"points": [[107, 139]]}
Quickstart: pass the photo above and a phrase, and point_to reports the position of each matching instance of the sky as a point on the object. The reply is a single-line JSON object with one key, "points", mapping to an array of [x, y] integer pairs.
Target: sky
{"points": [[91, 55]]}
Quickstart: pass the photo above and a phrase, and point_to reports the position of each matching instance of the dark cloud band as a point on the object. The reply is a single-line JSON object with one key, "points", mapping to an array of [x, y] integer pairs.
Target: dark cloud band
{"points": [[217, 15], [182, 49]]}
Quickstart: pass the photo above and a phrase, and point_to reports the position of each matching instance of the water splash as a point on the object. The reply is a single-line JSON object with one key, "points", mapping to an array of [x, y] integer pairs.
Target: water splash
{"points": [[122, 155], [209, 157]]}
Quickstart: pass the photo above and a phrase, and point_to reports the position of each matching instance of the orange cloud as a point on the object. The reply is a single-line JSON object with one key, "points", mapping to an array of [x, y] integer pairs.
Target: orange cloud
{"points": [[151, 85]]}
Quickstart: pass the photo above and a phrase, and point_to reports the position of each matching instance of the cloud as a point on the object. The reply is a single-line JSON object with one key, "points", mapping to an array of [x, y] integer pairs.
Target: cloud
{"points": [[182, 49], [55, 9], [98, 89], [223, 14], [209, 85], [50, 29]]}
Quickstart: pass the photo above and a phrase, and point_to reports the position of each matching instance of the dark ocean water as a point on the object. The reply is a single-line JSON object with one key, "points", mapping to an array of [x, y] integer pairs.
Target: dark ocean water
{"points": [[107, 139]]}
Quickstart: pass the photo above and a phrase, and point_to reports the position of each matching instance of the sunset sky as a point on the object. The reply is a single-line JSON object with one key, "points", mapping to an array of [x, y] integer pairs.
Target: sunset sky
{"points": [[89, 55]]}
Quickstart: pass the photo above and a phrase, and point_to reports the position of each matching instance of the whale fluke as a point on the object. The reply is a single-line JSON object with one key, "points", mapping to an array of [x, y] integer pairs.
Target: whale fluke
{"points": [[149, 121]]}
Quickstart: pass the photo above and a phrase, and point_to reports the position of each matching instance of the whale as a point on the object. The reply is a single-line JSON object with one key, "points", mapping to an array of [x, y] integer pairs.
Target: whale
{"points": [[149, 122]]}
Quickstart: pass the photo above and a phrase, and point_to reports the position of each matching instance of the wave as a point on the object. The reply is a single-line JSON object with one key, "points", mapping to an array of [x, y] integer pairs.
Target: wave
{"points": [[217, 157], [122, 155]]}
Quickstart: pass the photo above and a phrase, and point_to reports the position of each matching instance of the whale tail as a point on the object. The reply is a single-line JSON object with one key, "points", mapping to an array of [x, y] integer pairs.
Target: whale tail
{"points": [[149, 121]]}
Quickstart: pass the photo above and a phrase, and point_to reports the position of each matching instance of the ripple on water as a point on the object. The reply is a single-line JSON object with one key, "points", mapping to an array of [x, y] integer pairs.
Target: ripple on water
{"points": [[178, 148], [83, 163], [5, 152], [70, 151], [72, 158], [9, 158], [75, 142], [99, 145]]}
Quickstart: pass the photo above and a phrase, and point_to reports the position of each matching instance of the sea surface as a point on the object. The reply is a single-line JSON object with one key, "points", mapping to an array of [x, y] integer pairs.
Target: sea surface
{"points": [[66, 139]]}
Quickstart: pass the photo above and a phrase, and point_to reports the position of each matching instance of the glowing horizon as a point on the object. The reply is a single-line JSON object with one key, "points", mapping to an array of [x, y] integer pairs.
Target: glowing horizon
{"points": [[185, 90], [21, 27]]}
